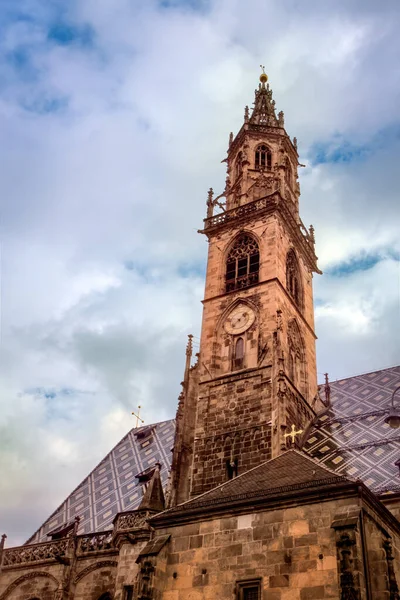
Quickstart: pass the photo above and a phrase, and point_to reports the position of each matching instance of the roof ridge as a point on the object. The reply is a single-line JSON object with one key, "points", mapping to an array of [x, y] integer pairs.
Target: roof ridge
{"points": [[301, 453], [333, 381]]}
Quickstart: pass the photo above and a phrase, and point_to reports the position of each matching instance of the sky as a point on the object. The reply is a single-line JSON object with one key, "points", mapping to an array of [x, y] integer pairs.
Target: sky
{"points": [[114, 118]]}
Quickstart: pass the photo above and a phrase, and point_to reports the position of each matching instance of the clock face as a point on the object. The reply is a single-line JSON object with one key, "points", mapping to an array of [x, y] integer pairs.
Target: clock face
{"points": [[239, 320]]}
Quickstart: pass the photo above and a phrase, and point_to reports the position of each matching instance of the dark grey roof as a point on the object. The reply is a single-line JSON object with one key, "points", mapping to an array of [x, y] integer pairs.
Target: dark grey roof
{"points": [[293, 470]]}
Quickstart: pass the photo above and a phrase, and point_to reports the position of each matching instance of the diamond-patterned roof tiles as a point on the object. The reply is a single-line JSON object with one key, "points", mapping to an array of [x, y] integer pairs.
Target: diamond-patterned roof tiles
{"points": [[352, 438], [112, 486]]}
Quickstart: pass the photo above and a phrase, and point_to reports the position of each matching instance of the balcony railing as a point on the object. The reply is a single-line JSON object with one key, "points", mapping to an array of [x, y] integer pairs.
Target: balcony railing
{"points": [[45, 552], [94, 542]]}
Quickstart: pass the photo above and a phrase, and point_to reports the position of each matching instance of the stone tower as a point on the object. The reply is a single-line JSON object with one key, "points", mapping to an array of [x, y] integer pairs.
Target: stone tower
{"points": [[255, 379]]}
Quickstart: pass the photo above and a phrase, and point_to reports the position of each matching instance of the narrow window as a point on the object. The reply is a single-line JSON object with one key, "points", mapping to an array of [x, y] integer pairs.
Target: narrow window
{"points": [[232, 468], [238, 165], [263, 158], [293, 284], [128, 592], [243, 264], [248, 590], [238, 360], [288, 173]]}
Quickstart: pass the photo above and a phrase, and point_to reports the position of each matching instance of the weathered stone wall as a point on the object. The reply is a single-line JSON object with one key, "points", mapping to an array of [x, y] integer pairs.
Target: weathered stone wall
{"points": [[293, 550], [233, 423], [39, 581]]}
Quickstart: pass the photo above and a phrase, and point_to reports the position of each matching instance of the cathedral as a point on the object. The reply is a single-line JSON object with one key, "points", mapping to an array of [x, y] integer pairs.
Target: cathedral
{"points": [[266, 486]]}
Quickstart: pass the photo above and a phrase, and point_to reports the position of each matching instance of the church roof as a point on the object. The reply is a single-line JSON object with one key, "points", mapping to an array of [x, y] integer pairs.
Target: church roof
{"points": [[290, 472], [112, 486], [352, 438]]}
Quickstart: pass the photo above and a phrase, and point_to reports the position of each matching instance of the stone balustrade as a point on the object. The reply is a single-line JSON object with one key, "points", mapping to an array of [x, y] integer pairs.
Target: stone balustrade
{"points": [[45, 552], [94, 542]]}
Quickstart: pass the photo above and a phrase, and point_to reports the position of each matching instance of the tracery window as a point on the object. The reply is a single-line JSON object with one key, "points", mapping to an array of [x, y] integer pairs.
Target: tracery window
{"points": [[243, 263], [293, 281], [238, 165], [263, 157]]}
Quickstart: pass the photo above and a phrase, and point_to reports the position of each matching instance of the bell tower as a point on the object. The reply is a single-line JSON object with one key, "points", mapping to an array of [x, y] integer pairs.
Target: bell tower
{"points": [[255, 380]]}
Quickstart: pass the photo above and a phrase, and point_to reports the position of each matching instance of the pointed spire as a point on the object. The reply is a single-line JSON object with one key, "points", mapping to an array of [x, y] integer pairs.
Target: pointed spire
{"points": [[153, 498], [264, 106]]}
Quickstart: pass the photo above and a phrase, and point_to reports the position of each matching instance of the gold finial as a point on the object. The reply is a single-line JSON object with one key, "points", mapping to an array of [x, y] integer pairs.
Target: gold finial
{"points": [[263, 76]]}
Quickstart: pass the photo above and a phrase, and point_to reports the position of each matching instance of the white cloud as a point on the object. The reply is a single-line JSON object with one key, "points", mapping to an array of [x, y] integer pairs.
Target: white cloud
{"points": [[117, 178]]}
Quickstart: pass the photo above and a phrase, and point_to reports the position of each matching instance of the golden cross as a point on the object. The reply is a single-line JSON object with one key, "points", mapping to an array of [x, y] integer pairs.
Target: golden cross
{"points": [[138, 417], [293, 433]]}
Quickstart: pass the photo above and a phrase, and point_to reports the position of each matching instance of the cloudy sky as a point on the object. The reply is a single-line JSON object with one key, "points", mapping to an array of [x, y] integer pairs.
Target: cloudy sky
{"points": [[114, 119]]}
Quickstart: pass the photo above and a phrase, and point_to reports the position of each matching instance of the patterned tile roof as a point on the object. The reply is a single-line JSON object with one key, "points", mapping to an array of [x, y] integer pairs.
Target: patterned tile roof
{"points": [[112, 486], [352, 438]]}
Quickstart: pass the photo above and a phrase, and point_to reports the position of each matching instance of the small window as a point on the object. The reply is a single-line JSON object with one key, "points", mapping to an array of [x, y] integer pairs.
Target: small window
{"points": [[263, 158], [232, 468], [249, 590], [238, 165], [238, 361], [128, 592], [288, 173]]}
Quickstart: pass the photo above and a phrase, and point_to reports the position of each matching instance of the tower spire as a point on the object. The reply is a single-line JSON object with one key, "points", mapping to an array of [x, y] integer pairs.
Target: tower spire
{"points": [[264, 106]]}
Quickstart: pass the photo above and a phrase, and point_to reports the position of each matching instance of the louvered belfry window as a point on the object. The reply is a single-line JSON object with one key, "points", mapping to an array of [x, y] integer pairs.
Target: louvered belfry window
{"points": [[263, 157], [243, 263]]}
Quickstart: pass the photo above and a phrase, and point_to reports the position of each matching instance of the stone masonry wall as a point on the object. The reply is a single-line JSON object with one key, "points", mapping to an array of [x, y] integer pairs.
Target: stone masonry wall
{"points": [[233, 423], [292, 550]]}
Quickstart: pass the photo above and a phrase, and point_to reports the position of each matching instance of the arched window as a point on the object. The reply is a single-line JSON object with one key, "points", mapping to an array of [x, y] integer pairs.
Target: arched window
{"points": [[238, 360], [263, 158], [293, 281], [238, 165], [288, 172], [243, 263], [296, 357]]}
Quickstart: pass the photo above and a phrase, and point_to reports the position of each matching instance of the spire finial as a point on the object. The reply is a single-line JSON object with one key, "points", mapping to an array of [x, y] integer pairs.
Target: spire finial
{"points": [[263, 76]]}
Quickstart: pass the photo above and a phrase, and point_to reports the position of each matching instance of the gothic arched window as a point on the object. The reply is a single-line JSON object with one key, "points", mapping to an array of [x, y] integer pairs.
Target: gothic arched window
{"points": [[293, 281], [243, 263], [288, 172], [238, 165], [296, 357], [238, 360], [263, 157]]}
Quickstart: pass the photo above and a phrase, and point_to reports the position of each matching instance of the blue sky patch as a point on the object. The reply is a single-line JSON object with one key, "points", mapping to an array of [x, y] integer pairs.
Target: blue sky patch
{"points": [[362, 262], [66, 34], [44, 106], [340, 150]]}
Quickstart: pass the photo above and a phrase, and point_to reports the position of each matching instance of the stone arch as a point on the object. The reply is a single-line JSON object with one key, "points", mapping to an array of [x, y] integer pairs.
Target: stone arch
{"points": [[297, 369], [94, 567], [27, 577]]}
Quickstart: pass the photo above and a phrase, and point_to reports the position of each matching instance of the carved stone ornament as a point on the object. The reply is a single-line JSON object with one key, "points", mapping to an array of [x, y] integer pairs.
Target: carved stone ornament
{"points": [[94, 542], [348, 587], [393, 587], [48, 551], [145, 588], [132, 520]]}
